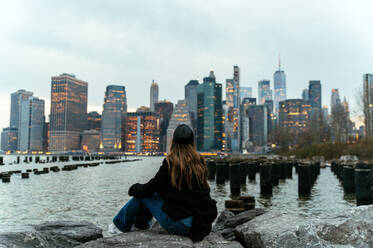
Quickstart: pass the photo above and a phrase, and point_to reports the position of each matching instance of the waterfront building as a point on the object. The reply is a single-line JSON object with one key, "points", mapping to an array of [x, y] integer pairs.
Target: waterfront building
{"points": [[232, 119], [94, 121], [294, 115], [210, 115], [46, 136], [31, 128], [154, 95], [113, 118], [15, 106], [164, 110], [90, 140], [314, 94], [368, 103], [264, 91], [9, 139], [180, 115], [305, 95], [191, 91], [245, 138], [245, 92], [258, 125], [142, 132], [68, 116], [279, 80]]}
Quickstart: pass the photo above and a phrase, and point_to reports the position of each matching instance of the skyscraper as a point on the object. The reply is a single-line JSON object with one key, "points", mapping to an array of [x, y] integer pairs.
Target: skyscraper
{"points": [[258, 124], [334, 99], [264, 91], [179, 116], [279, 79], [210, 115], [232, 120], [142, 132], [31, 129], [113, 118], [236, 74], [245, 92], [368, 103], [191, 90], [164, 110], [68, 116], [94, 121], [314, 92], [9, 139], [245, 138], [154, 95], [294, 115]]}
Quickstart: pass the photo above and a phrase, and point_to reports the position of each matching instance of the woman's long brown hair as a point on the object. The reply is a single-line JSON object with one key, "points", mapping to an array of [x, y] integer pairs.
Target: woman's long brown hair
{"points": [[186, 162]]}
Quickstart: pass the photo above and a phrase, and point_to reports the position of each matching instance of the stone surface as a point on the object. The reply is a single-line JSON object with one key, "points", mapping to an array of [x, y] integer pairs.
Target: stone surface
{"points": [[51, 234], [144, 239], [352, 228]]}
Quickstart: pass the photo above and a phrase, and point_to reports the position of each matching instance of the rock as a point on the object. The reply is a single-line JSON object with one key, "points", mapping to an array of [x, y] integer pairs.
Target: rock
{"points": [[243, 217], [352, 228], [219, 225], [143, 239], [51, 234]]}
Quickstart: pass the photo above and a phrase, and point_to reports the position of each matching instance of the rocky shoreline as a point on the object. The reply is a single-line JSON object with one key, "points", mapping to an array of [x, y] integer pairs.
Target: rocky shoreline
{"points": [[252, 228]]}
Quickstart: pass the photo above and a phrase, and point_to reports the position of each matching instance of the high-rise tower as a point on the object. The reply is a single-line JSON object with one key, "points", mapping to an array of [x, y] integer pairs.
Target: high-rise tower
{"points": [[264, 91], [154, 95], [279, 79], [68, 116]]}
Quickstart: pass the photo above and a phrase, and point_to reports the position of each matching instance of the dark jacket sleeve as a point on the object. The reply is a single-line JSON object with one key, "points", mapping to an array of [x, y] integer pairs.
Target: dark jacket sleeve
{"points": [[154, 185]]}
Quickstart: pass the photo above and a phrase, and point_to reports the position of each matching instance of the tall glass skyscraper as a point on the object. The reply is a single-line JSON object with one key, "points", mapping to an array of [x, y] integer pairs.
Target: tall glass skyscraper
{"points": [[210, 115], [164, 110], [191, 90], [334, 100], [232, 119], [305, 95], [314, 93], [68, 116], [113, 118], [154, 95], [245, 92], [279, 79], [264, 91], [31, 129]]}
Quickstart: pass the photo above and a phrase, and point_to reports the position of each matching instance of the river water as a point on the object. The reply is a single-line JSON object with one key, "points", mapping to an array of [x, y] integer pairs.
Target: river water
{"points": [[95, 194]]}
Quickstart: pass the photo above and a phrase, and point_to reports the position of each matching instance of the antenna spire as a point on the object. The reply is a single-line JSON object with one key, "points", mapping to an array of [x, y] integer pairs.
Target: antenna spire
{"points": [[279, 62]]}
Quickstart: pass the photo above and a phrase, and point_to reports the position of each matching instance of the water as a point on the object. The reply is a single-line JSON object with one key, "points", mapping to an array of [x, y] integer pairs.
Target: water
{"points": [[95, 194]]}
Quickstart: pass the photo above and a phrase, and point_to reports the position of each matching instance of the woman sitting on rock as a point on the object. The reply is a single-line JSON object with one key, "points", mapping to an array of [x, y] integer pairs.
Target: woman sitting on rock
{"points": [[178, 196]]}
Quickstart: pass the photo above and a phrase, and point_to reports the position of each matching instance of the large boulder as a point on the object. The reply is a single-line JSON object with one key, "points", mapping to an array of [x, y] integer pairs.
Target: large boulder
{"points": [[353, 228], [50, 234], [144, 239]]}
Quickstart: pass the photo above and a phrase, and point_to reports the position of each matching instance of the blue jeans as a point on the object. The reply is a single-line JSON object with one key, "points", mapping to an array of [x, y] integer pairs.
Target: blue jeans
{"points": [[139, 212]]}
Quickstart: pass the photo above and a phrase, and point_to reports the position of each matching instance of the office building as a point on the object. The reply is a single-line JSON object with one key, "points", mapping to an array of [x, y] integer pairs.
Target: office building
{"points": [[232, 118], [245, 92], [180, 115], [31, 128], [305, 95], [142, 132], [314, 94], [294, 115], [236, 74], [164, 110], [90, 140], [68, 116], [264, 91], [334, 99], [279, 81], [113, 118], [258, 125], [210, 115], [245, 138], [154, 95], [9, 139], [191, 90], [94, 121]]}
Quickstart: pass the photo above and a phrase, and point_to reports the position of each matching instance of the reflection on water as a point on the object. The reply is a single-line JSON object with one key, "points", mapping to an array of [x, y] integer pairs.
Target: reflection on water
{"points": [[96, 193]]}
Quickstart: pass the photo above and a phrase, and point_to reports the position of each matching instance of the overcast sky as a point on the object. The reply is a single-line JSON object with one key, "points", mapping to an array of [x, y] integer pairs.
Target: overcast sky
{"points": [[171, 41]]}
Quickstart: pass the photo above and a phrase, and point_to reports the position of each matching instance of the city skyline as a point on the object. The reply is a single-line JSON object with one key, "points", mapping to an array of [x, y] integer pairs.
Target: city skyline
{"points": [[134, 43]]}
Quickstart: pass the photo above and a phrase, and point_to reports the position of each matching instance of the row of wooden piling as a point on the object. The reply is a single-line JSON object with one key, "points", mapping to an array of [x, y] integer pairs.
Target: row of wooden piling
{"points": [[271, 172], [61, 158], [356, 178]]}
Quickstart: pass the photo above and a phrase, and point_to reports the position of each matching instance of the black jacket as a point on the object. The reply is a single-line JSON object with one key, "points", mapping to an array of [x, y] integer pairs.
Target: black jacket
{"points": [[181, 204]]}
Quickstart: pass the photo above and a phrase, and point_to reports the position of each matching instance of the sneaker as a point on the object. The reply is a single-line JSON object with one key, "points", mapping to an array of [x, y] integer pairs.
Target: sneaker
{"points": [[112, 229]]}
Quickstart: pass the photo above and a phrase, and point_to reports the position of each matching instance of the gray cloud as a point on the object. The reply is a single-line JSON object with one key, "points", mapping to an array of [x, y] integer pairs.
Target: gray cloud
{"points": [[133, 42]]}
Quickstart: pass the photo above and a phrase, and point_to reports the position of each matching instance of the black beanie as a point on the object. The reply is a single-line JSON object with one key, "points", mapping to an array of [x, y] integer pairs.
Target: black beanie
{"points": [[183, 134]]}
